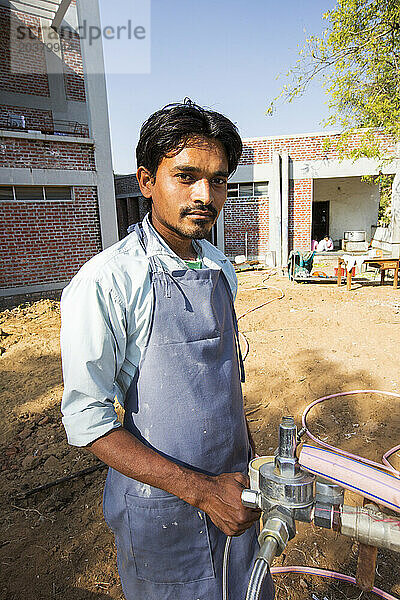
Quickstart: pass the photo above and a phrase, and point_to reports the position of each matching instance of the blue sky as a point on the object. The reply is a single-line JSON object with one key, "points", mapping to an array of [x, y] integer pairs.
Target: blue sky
{"points": [[224, 54]]}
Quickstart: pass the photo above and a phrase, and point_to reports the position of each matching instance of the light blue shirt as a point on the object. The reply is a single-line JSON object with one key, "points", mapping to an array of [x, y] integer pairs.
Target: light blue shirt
{"points": [[105, 322]]}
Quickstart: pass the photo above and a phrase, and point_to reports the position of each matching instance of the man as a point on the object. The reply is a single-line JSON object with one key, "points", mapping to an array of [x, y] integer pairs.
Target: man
{"points": [[151, 321]]}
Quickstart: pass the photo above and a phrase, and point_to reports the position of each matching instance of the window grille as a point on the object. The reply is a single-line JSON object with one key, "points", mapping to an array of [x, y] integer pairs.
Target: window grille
{"points": [[35, 193], [248, 189]]}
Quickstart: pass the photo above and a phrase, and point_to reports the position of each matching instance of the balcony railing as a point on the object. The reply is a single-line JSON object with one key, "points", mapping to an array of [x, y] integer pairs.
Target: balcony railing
{"points": [[54, 127]]}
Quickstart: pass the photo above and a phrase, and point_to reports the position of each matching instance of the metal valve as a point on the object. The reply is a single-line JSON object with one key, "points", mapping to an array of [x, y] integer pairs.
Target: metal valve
{"points": [[251, 498], [284, 483]]}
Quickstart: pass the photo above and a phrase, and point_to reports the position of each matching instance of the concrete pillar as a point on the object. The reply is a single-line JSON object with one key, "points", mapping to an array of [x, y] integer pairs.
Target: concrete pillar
{"points": [[96, 97], [54, 64], [275, 209], [62, 108], [220, 232], [285, 208]]}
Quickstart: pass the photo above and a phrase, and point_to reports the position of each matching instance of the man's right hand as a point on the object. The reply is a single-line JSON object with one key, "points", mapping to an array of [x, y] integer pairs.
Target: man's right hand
{"points": [[219, 497], [222, 502]]}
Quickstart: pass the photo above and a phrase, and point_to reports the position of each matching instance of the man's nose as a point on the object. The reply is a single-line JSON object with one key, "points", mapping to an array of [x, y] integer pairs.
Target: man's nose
{"points": [[202, 191]]}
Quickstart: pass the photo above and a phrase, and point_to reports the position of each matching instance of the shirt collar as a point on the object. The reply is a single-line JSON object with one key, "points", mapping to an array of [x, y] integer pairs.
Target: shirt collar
{"points": [[157, 246]]}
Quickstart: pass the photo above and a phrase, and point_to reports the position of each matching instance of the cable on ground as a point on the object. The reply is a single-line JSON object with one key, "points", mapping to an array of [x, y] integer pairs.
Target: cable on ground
{"points": [[329, 575], [385, 462], [259, 287]]}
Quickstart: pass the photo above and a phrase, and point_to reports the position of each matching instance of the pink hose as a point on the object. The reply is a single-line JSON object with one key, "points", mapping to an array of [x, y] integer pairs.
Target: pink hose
{"points": [[388, 454], [377, 485], [385, 463], [329, 575]]}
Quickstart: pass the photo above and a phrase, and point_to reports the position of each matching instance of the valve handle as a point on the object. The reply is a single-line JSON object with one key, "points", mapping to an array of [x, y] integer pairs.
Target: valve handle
{"points": [[251, 498]]}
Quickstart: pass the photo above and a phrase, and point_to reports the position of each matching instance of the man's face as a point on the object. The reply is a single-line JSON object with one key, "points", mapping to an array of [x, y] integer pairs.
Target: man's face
{"points": [[189, 189]]}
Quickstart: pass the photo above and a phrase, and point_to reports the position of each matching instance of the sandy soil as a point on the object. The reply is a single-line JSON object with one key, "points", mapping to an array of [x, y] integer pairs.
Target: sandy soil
{"points": [[317, 340]]}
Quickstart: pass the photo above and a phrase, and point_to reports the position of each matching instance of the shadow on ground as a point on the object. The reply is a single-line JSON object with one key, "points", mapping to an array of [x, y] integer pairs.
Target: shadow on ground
{"points": [[360, 424]]}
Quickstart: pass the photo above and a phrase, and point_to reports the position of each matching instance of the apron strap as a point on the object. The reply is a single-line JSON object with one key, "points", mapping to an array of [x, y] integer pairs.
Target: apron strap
{"points": [[236, 328], [156, 265], [241, 362]]}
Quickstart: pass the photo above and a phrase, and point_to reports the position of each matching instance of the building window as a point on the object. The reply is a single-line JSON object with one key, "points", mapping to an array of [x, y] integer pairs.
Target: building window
{"points": [[6, 193], [35, 193], [261, 188], [57, 192], [28, 192], [248, 190]]}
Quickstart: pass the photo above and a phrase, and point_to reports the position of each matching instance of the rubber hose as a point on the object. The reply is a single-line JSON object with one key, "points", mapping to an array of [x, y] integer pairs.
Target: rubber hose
{"points": [[225, 565], [386, 465], [329, 575], [258, 574]]}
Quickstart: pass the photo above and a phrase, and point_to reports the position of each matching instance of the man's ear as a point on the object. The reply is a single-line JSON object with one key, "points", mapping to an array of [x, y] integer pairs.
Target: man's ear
{"points": [[146, 182]]}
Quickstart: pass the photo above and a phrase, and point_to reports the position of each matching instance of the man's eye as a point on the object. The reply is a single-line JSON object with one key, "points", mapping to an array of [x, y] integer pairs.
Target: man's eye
{"points": [[184, 176], [219, 181]]}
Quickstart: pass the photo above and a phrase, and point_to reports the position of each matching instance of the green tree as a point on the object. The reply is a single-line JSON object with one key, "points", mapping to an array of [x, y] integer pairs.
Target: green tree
{"points": [[358, 57]]}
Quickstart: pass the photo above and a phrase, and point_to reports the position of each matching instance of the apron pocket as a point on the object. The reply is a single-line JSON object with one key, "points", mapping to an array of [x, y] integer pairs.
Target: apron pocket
{"points": [[170, 540]]}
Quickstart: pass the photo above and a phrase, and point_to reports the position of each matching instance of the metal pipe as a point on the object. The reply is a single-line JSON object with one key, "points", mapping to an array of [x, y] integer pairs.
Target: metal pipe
{"points": [[260, 570], [287, 438], [370, 527]]}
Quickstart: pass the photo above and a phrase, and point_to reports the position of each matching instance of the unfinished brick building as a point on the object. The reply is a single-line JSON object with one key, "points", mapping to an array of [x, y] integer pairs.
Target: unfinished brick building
{"points": [[287, 191], [291, 189], [131, 205], [57, 204]]}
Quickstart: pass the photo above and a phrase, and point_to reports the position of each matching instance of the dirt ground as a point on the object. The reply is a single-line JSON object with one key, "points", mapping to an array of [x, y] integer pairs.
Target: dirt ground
{"points": [[317, 340]]}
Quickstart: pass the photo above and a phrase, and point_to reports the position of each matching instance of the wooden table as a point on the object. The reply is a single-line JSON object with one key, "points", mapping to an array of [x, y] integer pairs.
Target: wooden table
{"points": [[383, 264]]}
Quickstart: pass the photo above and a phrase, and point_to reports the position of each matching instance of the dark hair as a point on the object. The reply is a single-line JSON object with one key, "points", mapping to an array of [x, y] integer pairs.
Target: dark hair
{"points": [[169, 129]]}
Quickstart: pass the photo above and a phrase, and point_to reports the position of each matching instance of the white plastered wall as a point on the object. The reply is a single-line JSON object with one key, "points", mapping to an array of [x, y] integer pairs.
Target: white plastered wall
{"points": [[353, 205]]}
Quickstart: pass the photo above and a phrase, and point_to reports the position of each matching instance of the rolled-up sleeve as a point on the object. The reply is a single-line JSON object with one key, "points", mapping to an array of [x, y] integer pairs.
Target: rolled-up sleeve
{"points": [[93, 345]]}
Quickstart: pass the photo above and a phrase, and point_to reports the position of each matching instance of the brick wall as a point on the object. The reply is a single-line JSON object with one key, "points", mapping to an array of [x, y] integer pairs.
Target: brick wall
{"points": [[39, 154], [47, 242], [252, 216], [17, 57], [35, 118], [127, 184], [300, 213], [302, 147], [132, 208], [23, 66], [144, 207], [73, 67], [243, 215], [43, 242]]}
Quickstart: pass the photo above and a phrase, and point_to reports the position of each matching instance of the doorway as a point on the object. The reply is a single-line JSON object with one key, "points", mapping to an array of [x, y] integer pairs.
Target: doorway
{"points": [[320, 220]]}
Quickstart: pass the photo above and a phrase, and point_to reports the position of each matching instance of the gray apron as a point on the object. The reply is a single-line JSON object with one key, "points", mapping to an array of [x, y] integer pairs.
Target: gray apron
{"points": [[186, 403]]}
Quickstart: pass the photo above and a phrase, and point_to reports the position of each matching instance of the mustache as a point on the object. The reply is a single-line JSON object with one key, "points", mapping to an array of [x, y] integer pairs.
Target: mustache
{"points": [[199, 209]]}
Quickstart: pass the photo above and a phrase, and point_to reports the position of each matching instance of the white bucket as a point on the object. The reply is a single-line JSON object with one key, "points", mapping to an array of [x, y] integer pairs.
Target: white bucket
{"points": [[254, 470], [270, 258], [241, 259]]}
